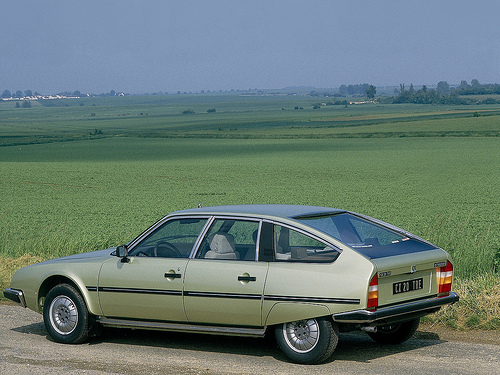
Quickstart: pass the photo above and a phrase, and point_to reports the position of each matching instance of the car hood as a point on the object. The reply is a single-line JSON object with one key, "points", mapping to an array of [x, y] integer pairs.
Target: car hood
{"points": [[92, 255]]}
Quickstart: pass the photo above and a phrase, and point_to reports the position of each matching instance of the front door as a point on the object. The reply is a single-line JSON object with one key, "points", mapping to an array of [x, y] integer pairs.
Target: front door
{"points": [[149, 286], [146, 288]]}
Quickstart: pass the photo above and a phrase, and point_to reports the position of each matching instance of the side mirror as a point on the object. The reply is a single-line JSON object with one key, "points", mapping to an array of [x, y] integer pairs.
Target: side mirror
{"points": [[122, 252]]}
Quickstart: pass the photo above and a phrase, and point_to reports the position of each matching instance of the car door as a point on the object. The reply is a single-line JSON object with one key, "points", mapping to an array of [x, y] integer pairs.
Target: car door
{"points": [[224, 282], [149, 285]]}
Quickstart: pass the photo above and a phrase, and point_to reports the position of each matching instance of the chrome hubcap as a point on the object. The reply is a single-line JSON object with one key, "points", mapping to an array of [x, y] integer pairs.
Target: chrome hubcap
{"points": [[301, 336], [63, 315]]}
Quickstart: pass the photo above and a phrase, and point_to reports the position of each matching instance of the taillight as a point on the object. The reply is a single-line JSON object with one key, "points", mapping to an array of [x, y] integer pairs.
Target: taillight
{"points": [[444, 277], [373, 293]]}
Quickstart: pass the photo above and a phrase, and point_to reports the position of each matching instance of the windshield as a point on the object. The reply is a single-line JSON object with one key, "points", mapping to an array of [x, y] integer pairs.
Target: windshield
{"points": [[371, 239]]}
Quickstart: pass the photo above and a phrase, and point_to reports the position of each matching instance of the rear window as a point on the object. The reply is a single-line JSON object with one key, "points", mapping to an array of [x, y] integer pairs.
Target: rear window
{"points": [[370, 239]]}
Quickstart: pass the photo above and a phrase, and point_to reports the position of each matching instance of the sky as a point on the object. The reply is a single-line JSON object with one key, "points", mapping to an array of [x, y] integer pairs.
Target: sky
{"points": [[150, 46]]}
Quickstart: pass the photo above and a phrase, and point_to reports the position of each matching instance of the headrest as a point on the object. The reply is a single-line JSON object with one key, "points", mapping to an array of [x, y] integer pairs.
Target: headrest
{"points": [[222, 243]]}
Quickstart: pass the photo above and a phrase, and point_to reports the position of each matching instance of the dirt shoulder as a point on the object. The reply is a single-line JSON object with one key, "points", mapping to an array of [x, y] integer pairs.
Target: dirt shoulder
{"points": [[433, 332], [430, 332]]}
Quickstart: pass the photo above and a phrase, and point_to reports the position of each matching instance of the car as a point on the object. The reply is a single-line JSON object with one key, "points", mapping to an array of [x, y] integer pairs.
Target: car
{"points": [[304, 273]]}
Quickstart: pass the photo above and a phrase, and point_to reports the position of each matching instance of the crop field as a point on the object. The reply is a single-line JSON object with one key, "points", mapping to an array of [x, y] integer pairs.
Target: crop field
{"points": [[84, 174]]}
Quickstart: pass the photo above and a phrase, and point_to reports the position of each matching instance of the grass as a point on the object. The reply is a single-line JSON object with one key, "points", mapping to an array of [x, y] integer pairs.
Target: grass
{"points": [[479, 306], [67, 188]]}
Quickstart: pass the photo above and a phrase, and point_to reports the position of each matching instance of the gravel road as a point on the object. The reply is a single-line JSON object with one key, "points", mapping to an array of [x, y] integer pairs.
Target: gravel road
{"points": [[25, 348]]}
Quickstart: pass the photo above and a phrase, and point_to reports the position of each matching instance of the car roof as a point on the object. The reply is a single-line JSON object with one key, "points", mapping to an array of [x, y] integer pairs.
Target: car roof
{"points": [[262, 210]]}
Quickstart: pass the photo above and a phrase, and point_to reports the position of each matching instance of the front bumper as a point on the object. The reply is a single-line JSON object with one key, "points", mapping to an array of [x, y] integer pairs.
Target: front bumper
{"points": [[15, 295], [398, 313]]}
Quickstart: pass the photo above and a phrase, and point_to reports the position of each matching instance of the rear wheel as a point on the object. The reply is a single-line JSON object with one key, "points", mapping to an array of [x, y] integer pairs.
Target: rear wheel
{"points": [[307, 341], [65, 315], [395, 333]]}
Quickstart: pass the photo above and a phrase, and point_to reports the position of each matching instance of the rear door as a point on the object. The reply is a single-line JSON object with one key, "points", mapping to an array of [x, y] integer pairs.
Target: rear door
{"points": [[224, 282]]}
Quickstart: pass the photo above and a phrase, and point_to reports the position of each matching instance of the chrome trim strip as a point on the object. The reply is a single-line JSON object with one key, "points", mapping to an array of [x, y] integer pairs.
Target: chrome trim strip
{"points": [[200, 238], [179, 327]]}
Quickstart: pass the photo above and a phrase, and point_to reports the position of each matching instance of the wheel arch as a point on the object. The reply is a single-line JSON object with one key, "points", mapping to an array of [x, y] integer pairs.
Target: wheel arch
{"points": [[287, 312], [53, 280]]}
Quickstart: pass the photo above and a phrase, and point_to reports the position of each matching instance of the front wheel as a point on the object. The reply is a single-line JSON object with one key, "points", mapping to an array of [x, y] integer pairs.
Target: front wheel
{"points": [[308, 341], [65, 315], [395, 333]]}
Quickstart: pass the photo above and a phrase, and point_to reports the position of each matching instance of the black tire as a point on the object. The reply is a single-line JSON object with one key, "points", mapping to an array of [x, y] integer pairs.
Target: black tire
{"points": [[65, 315], [307, 341], [395, 333]]}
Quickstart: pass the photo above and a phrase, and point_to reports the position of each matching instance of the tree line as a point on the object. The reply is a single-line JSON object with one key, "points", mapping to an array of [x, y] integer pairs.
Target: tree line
{"points": [[7, 94], [445, 94]]}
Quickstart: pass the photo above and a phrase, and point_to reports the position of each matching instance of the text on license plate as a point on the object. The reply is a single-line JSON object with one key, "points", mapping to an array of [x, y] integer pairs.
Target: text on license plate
{"points": [[407, 286]]}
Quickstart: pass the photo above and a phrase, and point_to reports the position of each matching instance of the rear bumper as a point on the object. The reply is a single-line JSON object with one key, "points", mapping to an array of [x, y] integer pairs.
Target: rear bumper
{"points": [[397, 313], [15, 295]]}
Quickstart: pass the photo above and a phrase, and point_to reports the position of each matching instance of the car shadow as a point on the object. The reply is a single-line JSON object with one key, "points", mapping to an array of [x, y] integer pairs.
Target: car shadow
{"points": [[358, 347], [32, 329], [352, 346]]}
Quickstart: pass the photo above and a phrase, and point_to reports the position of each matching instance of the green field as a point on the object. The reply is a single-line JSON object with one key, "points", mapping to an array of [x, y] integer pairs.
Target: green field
{"points": [[79, 175]]}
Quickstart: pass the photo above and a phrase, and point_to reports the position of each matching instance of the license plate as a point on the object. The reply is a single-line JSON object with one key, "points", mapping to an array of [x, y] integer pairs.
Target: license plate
{"points": [[407, 286]]}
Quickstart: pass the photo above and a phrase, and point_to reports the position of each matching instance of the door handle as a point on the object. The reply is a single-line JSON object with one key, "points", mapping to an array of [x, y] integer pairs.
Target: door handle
{"points": [[247, 278], [172, 275]]}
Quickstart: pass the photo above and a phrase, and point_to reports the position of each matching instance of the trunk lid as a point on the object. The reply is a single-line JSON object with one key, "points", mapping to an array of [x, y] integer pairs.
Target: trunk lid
{"points": [[408, 276]]}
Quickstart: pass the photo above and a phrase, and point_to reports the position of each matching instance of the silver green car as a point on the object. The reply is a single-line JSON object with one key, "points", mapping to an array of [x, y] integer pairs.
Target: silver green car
{"points": [[304, 273]]}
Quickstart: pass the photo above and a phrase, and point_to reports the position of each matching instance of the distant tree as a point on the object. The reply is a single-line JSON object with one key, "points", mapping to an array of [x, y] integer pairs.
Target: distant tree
{"points": [[371, 91], [26, 104], [18, 105], [443, 88], [475, 83], [6, 94], [359, 89], [28, 93], [411, 90], [112, 93], [19, 94], [463, 85], [404, 97]]}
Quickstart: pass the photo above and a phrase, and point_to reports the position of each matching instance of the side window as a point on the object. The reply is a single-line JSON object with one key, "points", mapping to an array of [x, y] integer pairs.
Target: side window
{"points": [[174, 239], [230, 240], [294, 246]]}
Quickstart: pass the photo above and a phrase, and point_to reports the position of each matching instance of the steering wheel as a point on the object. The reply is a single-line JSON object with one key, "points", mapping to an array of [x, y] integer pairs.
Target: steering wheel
{"points": [[168, 248]]}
